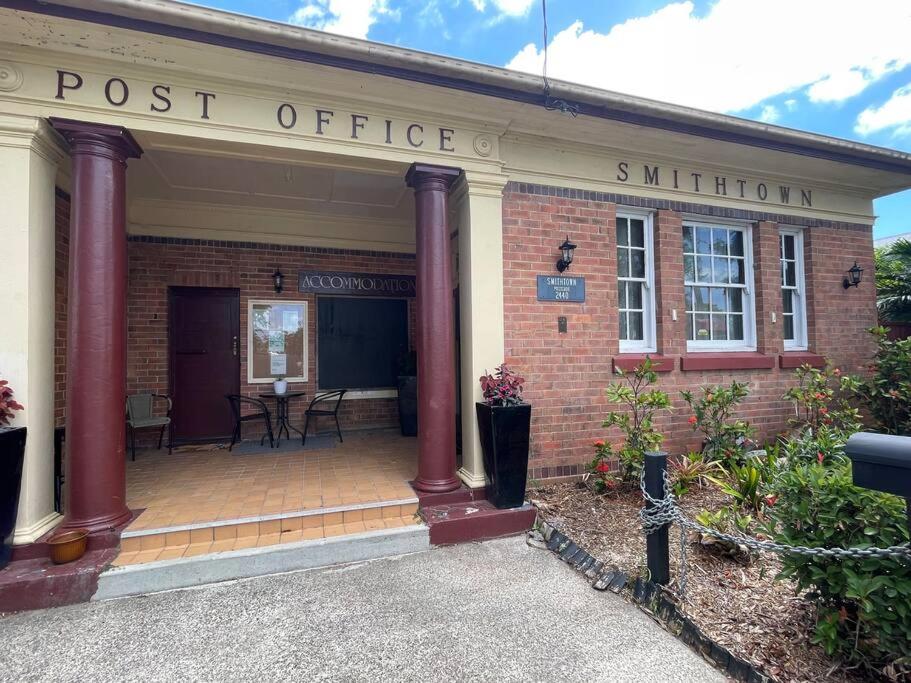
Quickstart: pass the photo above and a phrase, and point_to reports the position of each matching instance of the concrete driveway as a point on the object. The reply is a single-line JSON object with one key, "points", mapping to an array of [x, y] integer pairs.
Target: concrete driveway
{"points": [[495, 611]]}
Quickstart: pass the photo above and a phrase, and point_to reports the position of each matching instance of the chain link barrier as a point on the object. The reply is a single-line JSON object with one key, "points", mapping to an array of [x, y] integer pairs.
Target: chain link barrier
{"points": [[659, 512]]}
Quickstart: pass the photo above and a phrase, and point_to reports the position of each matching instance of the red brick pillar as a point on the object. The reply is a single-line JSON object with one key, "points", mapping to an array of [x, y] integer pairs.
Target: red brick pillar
{"points": [[671, 334], [96, 325], [435, 327], [767, 270]]}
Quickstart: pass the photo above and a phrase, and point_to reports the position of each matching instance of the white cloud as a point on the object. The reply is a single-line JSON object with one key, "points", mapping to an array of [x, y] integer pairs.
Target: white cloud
{"points": [[895, 114], [345, 17], [738, 54], [791, 104], [769, 114], [506, 8]]}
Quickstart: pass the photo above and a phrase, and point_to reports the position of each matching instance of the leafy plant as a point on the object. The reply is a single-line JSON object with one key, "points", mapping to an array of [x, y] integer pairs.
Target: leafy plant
{"points": [[821, 400], [863, 605], [503, 388], [8, 405], [886, 393], [600, 473], [726, 520], [713, 415], [691, 469], [642, 403], [893, 281], [743, 485]]}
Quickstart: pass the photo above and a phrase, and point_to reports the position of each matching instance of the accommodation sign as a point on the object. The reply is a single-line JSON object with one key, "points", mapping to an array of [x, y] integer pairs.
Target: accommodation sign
{"points": [[561, 288], [357, 284]]}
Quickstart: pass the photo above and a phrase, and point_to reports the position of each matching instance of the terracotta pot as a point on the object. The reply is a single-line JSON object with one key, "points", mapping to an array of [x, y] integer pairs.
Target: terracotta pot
{"points": [[68, 546]]}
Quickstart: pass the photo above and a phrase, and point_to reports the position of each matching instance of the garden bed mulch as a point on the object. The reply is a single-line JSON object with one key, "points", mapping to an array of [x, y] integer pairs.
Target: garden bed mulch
{"points": [[737, 604]]}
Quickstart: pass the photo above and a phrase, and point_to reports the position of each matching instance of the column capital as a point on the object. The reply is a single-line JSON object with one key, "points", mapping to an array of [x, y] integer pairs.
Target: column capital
{"points": [[33, 133], [113, 142], [431, 177]]}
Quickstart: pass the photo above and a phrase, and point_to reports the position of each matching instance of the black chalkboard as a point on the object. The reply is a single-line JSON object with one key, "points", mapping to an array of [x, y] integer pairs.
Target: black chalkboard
{"points": [[360, 342]]}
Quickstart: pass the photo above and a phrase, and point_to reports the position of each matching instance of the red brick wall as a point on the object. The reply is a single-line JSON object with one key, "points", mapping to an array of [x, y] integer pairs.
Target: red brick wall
{"points": [[567, 373], [156, 264]]}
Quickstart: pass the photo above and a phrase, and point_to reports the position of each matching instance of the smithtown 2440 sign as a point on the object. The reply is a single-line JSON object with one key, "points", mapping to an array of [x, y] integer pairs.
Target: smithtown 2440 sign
{"points": [[359, 284]]}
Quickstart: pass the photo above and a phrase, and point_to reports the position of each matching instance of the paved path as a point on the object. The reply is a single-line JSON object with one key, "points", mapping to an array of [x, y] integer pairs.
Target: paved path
{"points": [[496, 611]]}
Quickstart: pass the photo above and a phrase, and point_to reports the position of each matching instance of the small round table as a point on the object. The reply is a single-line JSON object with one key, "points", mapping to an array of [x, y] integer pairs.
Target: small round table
{"points": [[281, 412]]}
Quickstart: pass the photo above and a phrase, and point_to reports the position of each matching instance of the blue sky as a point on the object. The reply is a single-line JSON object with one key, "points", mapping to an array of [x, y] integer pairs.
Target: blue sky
{"points": [[838, 67]]}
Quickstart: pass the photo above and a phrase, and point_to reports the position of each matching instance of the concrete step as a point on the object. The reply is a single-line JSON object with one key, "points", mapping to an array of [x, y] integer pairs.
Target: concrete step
{"points": [[474, 521], [197, 570]]}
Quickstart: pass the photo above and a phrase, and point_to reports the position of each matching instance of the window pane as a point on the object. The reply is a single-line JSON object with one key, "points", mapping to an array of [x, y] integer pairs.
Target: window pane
{"points": [[621, 295], [720, 268], [720, 327], [622, 231], [787, 297], [635, 326], [720, 241], [623, 333], [701, 322], [703, 241], [689, 269], [637, 265], [623, 262], [735, 239], [703, 268], [735, 327], [789, 327], [688, 293], [689, 327], [637, 232], [687, 239], [702, 298], [635, 295], [735, 300], [789, 247], [719, 300], [737, 275], [791, 274]]}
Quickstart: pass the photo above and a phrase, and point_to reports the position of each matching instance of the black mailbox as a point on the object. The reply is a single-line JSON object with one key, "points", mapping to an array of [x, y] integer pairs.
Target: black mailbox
{"points": [[881, 462]]}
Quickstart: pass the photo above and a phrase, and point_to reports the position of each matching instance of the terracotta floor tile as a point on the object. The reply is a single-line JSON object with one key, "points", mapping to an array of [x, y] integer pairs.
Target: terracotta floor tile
{"points": [[195, 549], [124, 558], [312, 533], [146, 556], [222, 545], [335, 530], [354, 527], [242, 542], [291, 536], [268, 539], [172, 553]]}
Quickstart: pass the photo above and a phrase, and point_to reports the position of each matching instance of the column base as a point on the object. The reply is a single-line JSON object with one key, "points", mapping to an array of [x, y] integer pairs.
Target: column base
{"points": [[436, 485], [98, 524], [471, 479]]}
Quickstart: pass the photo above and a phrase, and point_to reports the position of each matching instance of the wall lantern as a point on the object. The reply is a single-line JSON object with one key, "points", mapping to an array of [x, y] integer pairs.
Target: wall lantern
{"points": [[854, 275], [567, 250], [278, 281]]}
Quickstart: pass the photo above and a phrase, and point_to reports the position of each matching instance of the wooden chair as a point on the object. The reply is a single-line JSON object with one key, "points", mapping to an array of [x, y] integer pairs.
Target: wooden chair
{"points": [[262, 413], [140, 415], [312, 411]]}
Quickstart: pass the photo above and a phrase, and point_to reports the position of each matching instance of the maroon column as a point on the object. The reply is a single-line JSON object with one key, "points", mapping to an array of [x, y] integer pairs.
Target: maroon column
{"points": [[95, 498], [435, 341]]}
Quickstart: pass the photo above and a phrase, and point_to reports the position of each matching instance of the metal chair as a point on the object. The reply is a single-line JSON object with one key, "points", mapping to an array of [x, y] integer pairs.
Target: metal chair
{"points": [[140, 415], [262, 413], [324, 412]]}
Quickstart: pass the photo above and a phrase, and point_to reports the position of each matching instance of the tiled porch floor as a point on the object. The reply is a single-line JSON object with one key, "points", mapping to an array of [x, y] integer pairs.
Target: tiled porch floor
{"points": [[216, 485]]}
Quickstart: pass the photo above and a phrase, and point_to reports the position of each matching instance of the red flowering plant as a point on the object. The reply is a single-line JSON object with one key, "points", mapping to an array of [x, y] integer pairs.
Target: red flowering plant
{"points": [[725, 437], [821, 401], [8, 405], [600, 474], [502, 388]]}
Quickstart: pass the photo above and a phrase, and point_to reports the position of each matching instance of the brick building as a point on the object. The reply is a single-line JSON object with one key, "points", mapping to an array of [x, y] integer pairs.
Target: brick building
{"points": [[163, 163]]}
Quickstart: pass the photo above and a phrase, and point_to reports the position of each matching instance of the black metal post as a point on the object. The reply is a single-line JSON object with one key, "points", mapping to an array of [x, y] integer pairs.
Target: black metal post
{"points": [[657, 550]]}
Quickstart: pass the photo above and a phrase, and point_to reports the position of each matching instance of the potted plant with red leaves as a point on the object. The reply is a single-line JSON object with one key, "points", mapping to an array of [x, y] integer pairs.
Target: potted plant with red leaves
{"points": [[504, 420], [12, 454]]}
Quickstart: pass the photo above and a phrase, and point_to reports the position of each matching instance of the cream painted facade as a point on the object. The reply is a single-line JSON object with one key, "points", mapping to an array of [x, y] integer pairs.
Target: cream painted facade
{"points": [[188, 100]]}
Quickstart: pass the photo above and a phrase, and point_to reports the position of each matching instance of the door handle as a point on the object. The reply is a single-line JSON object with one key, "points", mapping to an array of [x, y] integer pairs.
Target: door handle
{"points": [[234, 345]]}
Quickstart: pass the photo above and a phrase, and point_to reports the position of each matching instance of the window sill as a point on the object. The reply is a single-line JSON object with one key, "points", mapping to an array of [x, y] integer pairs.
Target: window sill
{"points": [[794, 359], [732, 360], [630, 361]]}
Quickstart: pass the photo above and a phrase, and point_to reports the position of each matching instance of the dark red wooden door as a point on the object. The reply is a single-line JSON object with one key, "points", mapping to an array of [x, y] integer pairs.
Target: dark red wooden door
{"points": [[204, 343]]}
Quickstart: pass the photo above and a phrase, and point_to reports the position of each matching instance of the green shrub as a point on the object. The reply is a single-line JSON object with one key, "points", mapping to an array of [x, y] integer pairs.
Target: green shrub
{"points": [[642, 403], [886, 393], [863, 606], [821, 401], [713, 415]]}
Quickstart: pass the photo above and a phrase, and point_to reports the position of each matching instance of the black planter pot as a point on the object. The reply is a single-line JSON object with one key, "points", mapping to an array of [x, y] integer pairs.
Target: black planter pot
{"points": [[504, 442], [12, 454], [408, 405]]}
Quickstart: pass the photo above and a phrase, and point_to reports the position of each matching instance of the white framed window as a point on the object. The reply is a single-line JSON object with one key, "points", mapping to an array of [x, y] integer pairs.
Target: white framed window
{"points": [[718, 286], [794, 307], [276, 341], [635, 281]]}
